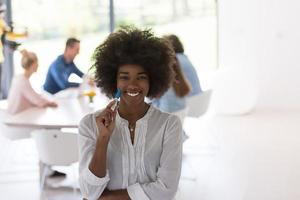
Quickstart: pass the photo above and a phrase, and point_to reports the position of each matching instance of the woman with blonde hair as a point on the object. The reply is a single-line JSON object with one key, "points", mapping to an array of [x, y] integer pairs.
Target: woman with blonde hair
{"points": [[21, 95]]}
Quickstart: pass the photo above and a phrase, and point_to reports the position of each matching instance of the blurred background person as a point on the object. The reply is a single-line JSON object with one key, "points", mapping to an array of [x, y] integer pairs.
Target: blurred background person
{"points": [[175, 98], [185, 64], [58, 74], [22, 95], [3, 28], [7, 37]]}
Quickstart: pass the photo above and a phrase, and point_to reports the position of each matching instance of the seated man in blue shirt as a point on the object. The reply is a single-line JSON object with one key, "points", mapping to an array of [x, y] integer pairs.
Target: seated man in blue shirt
{"points": [[61, 69]]}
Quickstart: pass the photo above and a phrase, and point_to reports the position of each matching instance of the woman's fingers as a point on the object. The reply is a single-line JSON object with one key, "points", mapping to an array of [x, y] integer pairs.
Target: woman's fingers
{"points": [[113, 105], [110, 105], [106, 119], [108, 115]]}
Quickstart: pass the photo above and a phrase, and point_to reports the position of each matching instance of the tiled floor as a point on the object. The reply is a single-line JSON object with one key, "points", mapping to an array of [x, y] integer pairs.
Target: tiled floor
{"points": [[19, 173]]}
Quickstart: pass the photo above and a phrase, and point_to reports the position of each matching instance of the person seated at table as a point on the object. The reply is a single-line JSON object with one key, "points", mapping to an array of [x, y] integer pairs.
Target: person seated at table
{"points": [[186, 65], [133, 151], [175, 98], [21, 94], [62, 67]]}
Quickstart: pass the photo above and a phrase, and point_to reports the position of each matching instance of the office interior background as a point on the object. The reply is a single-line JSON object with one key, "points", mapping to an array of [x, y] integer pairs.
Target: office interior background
{"points": [[91, 21], [246, 145]]}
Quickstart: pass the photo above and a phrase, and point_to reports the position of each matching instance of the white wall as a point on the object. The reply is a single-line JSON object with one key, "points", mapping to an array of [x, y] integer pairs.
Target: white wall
{"points": [[264, 37], [257, 156]]}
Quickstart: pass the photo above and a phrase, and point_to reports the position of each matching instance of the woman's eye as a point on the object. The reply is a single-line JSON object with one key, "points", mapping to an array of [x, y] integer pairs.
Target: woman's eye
{"points": [[142, 77], [123, 77]]}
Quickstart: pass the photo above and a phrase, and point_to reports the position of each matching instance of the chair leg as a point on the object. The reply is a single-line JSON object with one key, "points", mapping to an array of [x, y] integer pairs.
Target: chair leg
{"points": [[74, 184], [43, 175]]}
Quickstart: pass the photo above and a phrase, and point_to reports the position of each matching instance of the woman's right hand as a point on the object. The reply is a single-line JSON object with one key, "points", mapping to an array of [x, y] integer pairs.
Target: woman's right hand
{"points": [[106, 120]]}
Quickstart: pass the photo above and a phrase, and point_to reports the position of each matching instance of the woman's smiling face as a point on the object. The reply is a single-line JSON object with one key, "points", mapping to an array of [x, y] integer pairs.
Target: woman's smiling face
{"points": [[133, 81]]}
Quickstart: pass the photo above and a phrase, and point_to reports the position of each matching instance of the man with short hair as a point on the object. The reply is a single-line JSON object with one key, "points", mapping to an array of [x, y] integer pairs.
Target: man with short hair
{"points": [[61, 69]]}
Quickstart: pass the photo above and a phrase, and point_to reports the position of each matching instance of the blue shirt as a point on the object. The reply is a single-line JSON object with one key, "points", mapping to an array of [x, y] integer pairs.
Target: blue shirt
{"points": [[190, 74], [169, 102], [58, 75]]}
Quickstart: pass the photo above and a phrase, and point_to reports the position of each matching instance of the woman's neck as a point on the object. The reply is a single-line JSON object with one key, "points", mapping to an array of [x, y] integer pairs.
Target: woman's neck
{"points": [[133, 113], [27, 73]]}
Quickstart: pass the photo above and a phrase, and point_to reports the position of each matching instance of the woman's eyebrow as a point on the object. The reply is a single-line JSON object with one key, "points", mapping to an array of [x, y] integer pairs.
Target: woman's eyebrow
{"points": [[139, 73], [142, 73]]}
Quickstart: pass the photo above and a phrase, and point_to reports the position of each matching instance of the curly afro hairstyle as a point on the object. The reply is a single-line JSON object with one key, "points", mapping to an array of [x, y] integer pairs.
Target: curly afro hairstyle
{"points": [[130, 45]]}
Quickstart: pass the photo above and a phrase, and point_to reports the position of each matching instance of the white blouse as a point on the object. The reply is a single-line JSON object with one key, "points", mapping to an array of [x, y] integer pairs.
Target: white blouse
{"points": [[148, 169]]}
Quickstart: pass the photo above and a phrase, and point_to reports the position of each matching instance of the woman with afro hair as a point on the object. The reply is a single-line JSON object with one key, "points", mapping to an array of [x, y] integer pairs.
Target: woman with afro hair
{"points": [[133, 150]]}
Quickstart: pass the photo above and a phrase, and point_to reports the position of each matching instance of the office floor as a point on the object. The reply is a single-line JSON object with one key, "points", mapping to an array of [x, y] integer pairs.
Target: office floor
{"points": [[19, 173]]}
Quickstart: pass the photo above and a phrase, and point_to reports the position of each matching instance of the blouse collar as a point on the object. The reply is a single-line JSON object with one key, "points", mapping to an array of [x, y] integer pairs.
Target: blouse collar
{"points": [[141, 120]]}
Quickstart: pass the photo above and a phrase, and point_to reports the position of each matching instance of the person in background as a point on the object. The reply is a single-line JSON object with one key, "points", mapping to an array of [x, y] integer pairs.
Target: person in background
{"points": [[175, 98], [61, 69], [186, 65], [132, 151], [4, 30], [21, 94]]}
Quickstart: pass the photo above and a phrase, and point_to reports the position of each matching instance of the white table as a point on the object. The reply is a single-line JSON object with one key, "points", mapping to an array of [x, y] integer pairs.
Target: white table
{"points": [[67, 115]]}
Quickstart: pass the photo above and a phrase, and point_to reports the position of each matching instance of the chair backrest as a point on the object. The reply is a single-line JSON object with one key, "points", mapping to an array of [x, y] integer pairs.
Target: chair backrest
{"points": [[56, 147], [10, 132], [181, 114], [198, 104]]}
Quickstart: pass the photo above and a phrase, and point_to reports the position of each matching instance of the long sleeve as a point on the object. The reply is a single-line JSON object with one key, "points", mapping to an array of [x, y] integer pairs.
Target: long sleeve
{"points": [[33, 97], [168, 173], [91, 186], [77, 71]]}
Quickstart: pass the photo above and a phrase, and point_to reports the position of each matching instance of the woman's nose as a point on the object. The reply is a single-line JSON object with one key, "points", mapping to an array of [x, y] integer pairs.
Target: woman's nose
{"points": [[133, 83]]}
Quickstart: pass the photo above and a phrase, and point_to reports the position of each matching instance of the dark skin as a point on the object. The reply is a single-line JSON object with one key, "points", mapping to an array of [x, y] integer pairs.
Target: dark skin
{"points": [[133, 81]]}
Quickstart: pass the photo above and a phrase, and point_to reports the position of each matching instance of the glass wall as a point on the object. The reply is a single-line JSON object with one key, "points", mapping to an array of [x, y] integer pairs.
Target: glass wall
{"points": [[49, 23], [194, 21]]}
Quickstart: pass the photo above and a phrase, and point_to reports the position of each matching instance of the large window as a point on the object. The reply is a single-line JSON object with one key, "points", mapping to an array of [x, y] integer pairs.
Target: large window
{"points": [[194, 21], [49, 23]]}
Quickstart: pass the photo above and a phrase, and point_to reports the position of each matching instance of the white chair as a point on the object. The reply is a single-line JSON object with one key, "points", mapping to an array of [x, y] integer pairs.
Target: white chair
{"points": [[198, 104], [55, 148]]}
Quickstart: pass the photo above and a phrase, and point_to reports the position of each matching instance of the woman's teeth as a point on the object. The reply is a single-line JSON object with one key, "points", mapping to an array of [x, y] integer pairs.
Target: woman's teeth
{"points": [[132, 94]]}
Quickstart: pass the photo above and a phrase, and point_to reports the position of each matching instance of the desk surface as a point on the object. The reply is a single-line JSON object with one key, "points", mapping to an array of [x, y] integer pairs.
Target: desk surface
{"points": [[67, 115]]}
